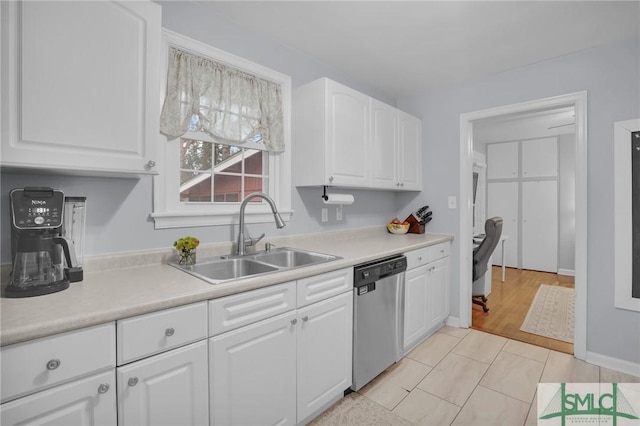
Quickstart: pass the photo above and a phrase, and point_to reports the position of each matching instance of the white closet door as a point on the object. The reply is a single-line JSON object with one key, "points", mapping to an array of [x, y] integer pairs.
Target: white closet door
{"points": [[502, 160], [502, 201], [540, 225], [540, 158]]}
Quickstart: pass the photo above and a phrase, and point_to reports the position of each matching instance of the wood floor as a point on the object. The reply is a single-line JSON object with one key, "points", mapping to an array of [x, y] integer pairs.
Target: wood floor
{"points": [[509, 303]]}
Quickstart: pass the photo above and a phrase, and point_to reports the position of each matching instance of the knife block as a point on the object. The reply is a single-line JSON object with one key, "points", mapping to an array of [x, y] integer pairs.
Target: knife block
{"points": [[414, 226]]}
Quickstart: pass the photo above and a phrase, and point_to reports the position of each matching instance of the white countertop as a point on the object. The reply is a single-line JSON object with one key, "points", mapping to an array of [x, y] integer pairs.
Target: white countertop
{"points": [[116, 288]]}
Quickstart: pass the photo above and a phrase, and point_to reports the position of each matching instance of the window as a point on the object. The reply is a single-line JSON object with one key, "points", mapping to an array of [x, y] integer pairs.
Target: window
{"points": [[224, 153]]}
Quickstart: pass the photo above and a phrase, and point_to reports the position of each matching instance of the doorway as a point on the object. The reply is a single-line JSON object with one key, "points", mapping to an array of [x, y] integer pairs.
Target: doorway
{"points": [[526, 167], [578, 102]]}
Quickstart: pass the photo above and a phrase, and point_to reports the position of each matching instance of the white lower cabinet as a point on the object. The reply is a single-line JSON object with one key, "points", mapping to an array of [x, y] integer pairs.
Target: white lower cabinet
{"points": [[253, 375], [285, 368], [438, 292], [325, 345], [88, 401], [271, 357], [416, 312], [426, 301], [166, 389]]}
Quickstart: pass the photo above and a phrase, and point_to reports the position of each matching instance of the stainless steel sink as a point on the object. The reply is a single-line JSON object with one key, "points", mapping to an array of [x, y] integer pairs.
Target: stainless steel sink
{"points": [[227, 269], [223, 269], [291, 258]]}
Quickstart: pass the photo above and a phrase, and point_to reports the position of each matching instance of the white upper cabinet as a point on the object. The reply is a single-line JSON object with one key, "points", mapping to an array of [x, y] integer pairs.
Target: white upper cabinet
{"points": [[384, 145], [540, 158], [80, 87], [345, 138], [396, 148], [502, 160], [332, 135], [410, 155], [347, 131]]}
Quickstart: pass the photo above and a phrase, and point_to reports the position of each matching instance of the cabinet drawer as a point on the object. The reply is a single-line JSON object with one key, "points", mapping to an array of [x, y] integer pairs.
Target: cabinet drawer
{"points": [[320, 287], [38, 364], [418, 257], [156, 332], [230, 312], [440, 250]]}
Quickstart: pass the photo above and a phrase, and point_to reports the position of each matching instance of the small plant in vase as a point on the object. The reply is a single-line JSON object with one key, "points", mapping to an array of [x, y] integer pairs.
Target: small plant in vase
{"points": [[186, 247]]}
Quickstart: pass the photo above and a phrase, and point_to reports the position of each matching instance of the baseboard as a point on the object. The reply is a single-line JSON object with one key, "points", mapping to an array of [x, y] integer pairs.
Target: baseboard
{"points": [[611, 363], [569, 272], [453, 321]]}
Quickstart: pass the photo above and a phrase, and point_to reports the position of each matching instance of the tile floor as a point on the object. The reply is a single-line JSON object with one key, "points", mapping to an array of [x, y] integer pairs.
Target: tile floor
{"points": [[463, 377]]}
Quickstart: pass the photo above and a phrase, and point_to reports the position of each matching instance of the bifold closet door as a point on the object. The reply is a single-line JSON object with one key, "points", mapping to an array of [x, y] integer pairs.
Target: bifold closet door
{"points": [[540, 225], [502, 201]]}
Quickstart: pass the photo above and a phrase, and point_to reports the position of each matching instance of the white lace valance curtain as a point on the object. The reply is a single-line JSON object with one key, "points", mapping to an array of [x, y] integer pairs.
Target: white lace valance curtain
{"points": [[231, 105]]}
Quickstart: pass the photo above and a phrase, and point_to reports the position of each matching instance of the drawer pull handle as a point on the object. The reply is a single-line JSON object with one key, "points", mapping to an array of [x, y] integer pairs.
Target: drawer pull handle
{"points": [[294, 321], [305, 318], [169, 332], [103, 388], [53, 364], [420, 258], [133, 381]]}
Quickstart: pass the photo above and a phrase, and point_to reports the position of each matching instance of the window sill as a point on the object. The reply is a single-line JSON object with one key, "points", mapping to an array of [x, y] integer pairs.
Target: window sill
{"points": [[193, 219]]}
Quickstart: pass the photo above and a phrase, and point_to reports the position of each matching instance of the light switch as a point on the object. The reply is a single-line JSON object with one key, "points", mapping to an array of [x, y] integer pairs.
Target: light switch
{"points": [[452, 201]]}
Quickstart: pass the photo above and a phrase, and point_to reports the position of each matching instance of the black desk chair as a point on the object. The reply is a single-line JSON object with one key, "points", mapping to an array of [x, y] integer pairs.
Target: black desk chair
{"points": [[482, 254]]}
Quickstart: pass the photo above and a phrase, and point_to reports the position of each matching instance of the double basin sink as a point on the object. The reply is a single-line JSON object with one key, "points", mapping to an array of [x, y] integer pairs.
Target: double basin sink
{"points": [[222, 269]]}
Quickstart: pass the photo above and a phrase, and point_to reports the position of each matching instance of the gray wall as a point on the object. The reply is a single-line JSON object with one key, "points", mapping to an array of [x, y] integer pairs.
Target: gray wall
{"points": [[611, 76]]}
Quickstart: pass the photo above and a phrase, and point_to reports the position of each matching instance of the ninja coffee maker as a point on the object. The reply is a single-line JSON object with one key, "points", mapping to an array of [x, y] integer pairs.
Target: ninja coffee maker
{"points": [[43, 261]]}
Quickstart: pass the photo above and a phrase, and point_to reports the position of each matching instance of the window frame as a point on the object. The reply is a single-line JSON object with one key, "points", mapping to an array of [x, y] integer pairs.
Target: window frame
{"points": [[168, 210]]}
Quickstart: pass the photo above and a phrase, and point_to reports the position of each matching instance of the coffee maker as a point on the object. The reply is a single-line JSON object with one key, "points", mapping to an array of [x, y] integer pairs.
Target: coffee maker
{"points": [[43, 261]]}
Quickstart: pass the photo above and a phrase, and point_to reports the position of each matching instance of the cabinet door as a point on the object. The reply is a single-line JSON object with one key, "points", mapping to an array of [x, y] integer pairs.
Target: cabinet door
{"points": [[88, 401], [347, 133], [253, 372], [502, 201], [167, 389], [78, 95], [410, 148], [416, 315], [438, 292], [540, 226], [325, 337], [502, 160], [384, 142], [540, 158]]}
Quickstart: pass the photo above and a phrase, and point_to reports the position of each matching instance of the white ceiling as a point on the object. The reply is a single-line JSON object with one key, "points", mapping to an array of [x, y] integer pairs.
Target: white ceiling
{"points": [[400, 47]]}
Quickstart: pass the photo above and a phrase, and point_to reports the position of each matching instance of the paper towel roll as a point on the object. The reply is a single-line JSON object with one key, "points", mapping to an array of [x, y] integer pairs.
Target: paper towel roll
{"points": [[339, 199]]}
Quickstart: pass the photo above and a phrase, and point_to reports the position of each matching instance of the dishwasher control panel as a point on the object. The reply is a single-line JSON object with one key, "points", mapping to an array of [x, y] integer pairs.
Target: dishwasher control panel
{"points": [[371, 272]]}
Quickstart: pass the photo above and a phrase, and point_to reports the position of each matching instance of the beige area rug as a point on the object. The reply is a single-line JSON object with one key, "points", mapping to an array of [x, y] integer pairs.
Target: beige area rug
{"points": [[357, 410], [552, 313]]}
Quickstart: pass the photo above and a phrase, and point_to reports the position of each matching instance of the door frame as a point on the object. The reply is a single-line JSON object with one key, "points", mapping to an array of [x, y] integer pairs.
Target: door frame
{"points": [[579, 101]]}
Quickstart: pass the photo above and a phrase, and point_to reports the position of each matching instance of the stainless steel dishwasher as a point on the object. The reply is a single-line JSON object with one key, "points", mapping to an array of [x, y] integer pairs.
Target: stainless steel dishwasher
{"points": [[378, 317]]}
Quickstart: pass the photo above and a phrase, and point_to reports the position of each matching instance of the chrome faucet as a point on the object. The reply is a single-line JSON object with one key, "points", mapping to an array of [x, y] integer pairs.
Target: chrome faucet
{"points": [[242, 243]]}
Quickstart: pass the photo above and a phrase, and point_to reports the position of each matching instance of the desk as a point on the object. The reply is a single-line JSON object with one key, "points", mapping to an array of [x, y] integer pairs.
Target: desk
{"points": [[477, 240]]}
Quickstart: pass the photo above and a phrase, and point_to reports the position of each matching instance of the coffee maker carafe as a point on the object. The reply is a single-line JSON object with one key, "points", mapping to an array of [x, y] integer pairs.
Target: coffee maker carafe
{"points": [[38, 250]]}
